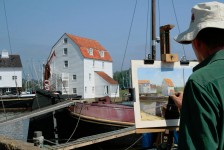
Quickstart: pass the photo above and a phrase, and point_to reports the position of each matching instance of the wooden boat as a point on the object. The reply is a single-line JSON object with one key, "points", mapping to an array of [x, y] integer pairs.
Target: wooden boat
{"points": [[16, 102], [104, 112], [103, 116]]}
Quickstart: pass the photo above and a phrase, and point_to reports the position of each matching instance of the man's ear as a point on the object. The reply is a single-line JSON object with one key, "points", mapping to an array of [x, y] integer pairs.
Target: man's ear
{"points": [[196, 43]]}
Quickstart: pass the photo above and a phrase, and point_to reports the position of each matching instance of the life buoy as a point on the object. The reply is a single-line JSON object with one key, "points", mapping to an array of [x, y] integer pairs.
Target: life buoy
{"points": [[47, 85]]}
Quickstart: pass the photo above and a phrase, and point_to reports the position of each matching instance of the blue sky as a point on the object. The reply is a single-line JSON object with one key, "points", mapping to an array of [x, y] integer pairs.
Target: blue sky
{"points": [[178, 76], [36, 25]]}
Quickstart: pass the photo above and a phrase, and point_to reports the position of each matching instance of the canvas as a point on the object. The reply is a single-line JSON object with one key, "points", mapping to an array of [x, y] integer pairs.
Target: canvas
{"points": [[153, 83]]}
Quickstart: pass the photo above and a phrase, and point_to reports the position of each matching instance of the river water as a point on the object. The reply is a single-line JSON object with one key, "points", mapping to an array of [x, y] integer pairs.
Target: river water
{"points": [[17, 130]]}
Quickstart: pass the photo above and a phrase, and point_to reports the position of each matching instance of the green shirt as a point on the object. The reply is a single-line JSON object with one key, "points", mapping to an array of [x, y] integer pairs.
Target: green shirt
{"points": [[202, 121]]}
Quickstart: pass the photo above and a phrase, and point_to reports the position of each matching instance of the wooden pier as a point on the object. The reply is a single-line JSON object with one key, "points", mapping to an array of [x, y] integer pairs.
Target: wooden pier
{"points": [[94, 139], [38, 112]]}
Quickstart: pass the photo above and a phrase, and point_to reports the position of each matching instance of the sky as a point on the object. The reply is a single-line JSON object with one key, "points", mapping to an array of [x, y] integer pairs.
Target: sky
{"points": [[34, 26], [157, 75]]}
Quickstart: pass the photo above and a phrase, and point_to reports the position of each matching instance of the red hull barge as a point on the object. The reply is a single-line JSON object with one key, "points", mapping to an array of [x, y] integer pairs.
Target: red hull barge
{"points": [[104, 112]]}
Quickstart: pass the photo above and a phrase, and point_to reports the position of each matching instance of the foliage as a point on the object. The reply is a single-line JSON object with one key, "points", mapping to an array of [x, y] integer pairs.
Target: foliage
{"points": [[123, 78]]}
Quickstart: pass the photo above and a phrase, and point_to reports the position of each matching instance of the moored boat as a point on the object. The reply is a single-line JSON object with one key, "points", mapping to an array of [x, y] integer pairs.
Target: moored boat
{"points": [[16, 102], [104, 112]]}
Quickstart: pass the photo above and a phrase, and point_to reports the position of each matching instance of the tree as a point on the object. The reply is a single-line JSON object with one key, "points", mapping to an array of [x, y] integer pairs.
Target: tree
{"points": [[123, 78]]}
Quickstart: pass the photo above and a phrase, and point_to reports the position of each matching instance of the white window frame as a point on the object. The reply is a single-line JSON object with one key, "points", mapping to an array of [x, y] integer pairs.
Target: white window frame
{"points": [[66, 64], [14, 77], [106, 89], [65, 40], [90, 76], [74, 90], [101, 53], [74, 77], [65, 51], [90, 51], [102, 64]]}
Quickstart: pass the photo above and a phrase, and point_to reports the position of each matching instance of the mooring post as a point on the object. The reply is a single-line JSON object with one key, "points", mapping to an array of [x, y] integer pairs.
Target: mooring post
{"points": [[38, 139]]}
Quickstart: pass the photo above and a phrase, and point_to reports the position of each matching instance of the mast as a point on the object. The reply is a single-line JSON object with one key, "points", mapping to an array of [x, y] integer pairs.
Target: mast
{"points": [[152, 57], [153, 30]]}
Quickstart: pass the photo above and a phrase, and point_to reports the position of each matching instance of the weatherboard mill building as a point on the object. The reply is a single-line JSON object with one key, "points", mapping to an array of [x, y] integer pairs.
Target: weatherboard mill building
{"points": [[80, 66], [10, 73]]}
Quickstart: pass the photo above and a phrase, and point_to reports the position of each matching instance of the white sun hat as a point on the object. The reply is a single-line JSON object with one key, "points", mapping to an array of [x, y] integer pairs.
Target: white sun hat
{"points": [[204, 15]]}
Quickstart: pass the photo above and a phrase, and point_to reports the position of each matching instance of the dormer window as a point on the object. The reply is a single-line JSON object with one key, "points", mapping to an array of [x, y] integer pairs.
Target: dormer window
{"points": [[90, 51], [101, 53], [65, 40]]}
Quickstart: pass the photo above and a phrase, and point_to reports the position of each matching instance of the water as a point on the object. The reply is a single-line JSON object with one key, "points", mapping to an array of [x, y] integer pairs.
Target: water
{"points": [[17, 130]]}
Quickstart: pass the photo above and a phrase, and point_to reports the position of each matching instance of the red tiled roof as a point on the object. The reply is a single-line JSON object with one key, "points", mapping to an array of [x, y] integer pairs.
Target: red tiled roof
{"points": [[169, 82], [106, 77], [143, 81], [84, 44]]}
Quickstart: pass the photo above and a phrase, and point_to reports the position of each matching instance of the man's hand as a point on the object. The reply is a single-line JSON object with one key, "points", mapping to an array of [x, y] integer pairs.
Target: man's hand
{"points": [[177, 98]]}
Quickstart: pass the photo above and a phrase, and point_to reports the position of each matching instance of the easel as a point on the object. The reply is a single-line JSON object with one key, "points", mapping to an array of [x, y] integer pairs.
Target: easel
{"points": [[165, 138], [165, 45]]}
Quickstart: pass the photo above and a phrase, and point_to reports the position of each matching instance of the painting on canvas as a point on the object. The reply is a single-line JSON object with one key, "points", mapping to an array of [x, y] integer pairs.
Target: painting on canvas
{"points": [[153, 83]]}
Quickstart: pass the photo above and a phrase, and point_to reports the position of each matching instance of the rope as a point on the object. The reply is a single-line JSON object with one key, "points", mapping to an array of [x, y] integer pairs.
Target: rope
{"points": [[50, 141], [3, 106], [7, 26], [184, 55], [126, 47], [134, 143], [76, 124]]}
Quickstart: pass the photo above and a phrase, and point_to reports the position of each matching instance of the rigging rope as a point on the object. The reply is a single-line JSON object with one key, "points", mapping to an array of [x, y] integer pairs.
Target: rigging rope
{"points": [[129, 33], [184, 55], [7, 26], [126, 46]]}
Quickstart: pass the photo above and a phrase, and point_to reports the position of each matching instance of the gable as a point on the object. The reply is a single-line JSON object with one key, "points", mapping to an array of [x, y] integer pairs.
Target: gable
{"points": [[86, 44]]}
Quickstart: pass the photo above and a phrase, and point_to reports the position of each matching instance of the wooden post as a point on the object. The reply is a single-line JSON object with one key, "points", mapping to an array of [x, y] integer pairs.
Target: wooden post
{"points": [[165, 44]]}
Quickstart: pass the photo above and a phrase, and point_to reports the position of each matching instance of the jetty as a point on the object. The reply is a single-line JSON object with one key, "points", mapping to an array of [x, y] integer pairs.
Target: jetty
{"points": [[81, 142], [38, 112]]}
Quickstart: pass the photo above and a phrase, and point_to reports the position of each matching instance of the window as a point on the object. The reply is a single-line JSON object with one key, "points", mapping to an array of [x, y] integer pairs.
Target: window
{"points": [[92, 89], [74, 77], [90, 51], [66, 64], [101, 53], [65, 40], [106, 89], [74, 90], [14, 77], [0, 77], [93, 63], [65, 51], [85, 89], [102, 64], [89, 76]]}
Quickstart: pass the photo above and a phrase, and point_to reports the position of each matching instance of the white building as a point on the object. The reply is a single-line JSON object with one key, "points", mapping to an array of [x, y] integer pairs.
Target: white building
{"points": [[167, 87], [145, 87], [81, 66], [10, 73]]}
